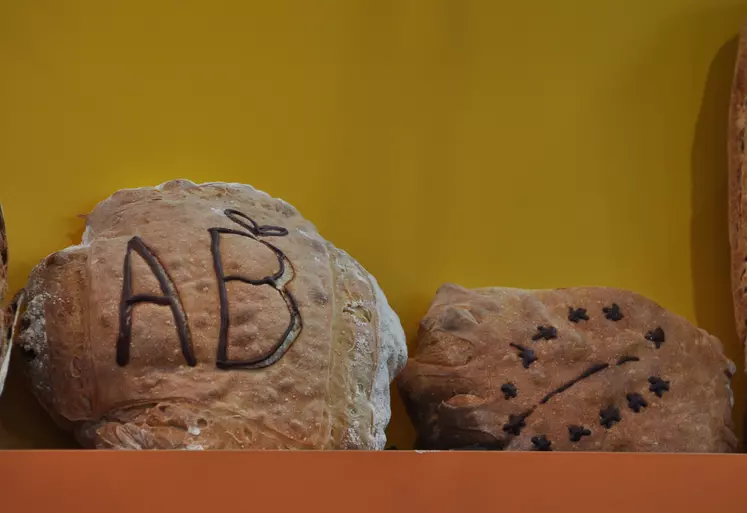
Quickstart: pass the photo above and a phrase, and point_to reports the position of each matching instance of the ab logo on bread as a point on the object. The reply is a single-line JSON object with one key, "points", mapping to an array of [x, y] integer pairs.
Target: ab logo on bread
{"points": [[170, 295]]}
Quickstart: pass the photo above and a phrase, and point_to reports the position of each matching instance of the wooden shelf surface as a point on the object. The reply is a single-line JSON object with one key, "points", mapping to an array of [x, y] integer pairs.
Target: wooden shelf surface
{"points": [[363, 482]]}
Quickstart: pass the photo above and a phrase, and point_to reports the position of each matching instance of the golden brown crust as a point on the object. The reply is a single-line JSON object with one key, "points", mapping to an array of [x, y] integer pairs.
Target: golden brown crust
{"points": [[318, 394], [53, 308], [737, 193]]}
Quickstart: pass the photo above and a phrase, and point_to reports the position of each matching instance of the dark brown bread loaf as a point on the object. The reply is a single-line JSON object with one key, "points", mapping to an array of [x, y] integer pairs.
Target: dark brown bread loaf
{"points": [[589, 369]]}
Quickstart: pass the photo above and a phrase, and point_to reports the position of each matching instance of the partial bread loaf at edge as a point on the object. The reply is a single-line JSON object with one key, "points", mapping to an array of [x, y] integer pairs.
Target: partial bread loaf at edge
{"points": [[5, 344], [738, 187]]}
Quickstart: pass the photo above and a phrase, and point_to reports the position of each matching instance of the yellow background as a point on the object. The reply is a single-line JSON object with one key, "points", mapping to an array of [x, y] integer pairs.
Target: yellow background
{"points": [[526, 144]]}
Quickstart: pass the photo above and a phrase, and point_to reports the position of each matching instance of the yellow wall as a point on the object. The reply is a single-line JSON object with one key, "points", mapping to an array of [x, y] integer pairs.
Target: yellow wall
{"points": [[520, 143]]}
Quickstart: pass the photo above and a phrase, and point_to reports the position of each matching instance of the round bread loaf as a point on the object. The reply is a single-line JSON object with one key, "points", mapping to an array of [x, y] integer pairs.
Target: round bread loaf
{"points": [[209, 317], [579, 369]]}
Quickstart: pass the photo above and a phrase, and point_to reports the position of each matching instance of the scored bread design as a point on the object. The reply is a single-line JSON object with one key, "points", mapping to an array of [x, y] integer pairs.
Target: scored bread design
{"points": [[209, 317], [578, 369]]}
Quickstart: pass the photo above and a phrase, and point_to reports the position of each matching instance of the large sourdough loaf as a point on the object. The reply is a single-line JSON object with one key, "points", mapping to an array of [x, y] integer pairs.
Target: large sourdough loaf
{"points": [[209, 317]]}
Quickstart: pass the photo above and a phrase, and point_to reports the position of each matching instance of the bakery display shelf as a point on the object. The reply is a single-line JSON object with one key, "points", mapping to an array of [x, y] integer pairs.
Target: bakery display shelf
{"points": [[387, 481]]}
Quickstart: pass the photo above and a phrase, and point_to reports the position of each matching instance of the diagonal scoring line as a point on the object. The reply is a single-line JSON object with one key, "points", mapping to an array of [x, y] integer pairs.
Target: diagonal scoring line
{"points": [[589, 372], [597, 367]]}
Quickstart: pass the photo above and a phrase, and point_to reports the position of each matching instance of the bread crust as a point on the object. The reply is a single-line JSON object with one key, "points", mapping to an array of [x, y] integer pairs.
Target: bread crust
{"points": [[513, 369], [327, 389], [5, 316], [737, 192]]}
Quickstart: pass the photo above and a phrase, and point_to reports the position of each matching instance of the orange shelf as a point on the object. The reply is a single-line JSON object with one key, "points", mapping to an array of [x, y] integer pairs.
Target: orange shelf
{"points": [[363, 482]]}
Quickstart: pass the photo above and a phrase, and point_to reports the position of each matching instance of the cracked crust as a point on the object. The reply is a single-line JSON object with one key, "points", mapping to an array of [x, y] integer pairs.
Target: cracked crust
{"points": [[330, 390], [583, 375]]}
